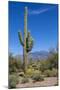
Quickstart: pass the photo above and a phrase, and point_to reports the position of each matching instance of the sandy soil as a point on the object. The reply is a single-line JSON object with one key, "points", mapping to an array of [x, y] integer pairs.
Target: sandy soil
{"points": [[50, 81]]}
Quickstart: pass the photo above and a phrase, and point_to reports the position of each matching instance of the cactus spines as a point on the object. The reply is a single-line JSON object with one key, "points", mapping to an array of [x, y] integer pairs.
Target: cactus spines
{"points": [[26, 42]]}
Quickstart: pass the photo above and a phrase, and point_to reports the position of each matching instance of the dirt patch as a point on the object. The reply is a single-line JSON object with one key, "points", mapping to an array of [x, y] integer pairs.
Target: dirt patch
{"points": [[49, 81]]}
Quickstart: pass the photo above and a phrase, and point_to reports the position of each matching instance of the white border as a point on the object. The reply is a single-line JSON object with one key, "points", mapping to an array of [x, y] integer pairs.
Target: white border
{"points": [[41, 1], [4, 43]]}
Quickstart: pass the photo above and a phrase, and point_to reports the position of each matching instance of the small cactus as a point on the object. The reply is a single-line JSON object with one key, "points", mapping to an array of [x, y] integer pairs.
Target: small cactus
{"points": [[27, 43]]}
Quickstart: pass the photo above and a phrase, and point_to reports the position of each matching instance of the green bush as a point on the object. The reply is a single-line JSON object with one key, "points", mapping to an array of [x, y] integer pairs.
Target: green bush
{"points": [[29, 72], [24, 80], [47, 73], [21, 74], [54, 72], [15, 65], [50, 73], [37, 76], [13, 80]]}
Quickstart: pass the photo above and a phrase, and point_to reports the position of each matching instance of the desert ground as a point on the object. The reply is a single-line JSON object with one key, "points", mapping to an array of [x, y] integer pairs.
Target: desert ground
{"points": [[49, 81]]}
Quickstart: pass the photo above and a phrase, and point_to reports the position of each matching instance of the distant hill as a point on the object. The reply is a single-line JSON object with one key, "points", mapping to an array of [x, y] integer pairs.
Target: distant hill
{"points": [[38, 55]]}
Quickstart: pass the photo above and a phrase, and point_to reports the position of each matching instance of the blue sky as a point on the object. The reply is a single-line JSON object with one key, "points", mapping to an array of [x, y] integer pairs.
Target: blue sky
{"points": [[42, 23]]}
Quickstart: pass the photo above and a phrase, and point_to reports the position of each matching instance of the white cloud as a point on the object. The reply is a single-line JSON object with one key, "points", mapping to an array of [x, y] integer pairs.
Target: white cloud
{"points": [[36, 12]]}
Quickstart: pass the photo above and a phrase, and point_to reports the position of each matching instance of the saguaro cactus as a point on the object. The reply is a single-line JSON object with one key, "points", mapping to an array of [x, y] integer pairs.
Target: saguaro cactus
{"points": [[27, 42]]}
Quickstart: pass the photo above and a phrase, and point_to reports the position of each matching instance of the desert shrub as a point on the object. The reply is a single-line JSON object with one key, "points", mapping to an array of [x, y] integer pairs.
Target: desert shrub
{"points": [[53, 59], [43, 65], [13, 80], [24, 80], [34, 66], [37, 72], [21, 74], [50, 73], [37, 76], [54, 72], [47, 73], [29, 72], [14, 64]]}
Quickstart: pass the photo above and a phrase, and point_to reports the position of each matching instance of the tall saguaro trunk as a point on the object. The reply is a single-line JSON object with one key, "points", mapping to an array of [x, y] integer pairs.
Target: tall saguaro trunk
{"points": [[25, 36], [27, 42]]}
